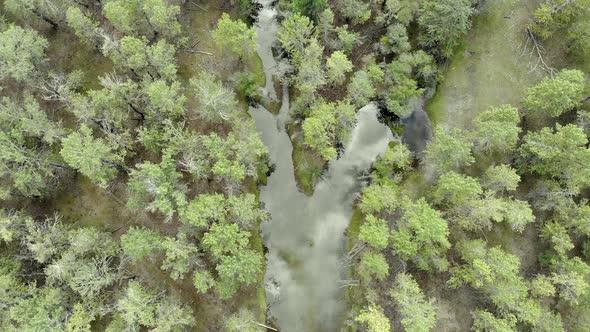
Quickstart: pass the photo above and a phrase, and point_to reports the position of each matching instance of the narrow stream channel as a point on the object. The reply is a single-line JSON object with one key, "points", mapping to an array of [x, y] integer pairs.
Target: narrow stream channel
{"points": [[306, 235]]}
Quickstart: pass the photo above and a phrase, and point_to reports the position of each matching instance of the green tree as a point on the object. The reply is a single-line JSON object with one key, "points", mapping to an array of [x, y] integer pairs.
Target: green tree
{"points": [[309, 8], [338, 66], [92, 156], [373, 265], [418, 313], [172, 316], [380, 198], [444, 22], [225, 239], [235, 36], [203, 281], [80, 320], [554, 96], [559, 153], [360, 89], [484, 321], [421, 235], [22, 53], [216, 103], [395, 40], [326, 125], [155, 187], [375, 232], [49, 11], [137, 306], [570, 279], [84, 25], [42, 310], [162, 17], [450, 150], [397, 158], [497, 129], [245, 211], [165, 100], [243, 321], [181, 256], [205, 209], [500, 178], [295, 34], [240, 269], [457, 191], [357, 11], [138, 243], [310, 73], [149, 62], [374, 319]]}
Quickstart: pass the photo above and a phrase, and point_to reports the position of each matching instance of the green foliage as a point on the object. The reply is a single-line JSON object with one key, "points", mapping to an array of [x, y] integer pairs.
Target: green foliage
{"points": [[559, 153], [456, 190], [397, 158], [450, 150], [92, 156], [84, 26], [309, 8], [541, 286], [155, 187], [326, 125], [165, 101], [80, 320], [444, 23], [49, 11], [421, 235], [22, 53], [347, 39], [357, 11], [242, 268], [203, 281], [138, 243], [224, 239], [395, 40], [360, 89], [216, 103], [380, 198], [245, 211], [295, 34], [500, 178], [570, 278], [554, 15], [144, 16], [496, 130], [181, 256], [374, 319], [243, 321], [418, 313], [375, 232], [373, 266], [205, 209], [338, 66], [41, 311], [310, 75], [484, 321], [137, 306], [235, 36], [554, 96], [150, 62]]}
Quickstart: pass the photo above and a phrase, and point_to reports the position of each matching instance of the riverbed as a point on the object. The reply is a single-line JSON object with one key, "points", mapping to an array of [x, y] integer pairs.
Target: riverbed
{"points": [[305, 236]]}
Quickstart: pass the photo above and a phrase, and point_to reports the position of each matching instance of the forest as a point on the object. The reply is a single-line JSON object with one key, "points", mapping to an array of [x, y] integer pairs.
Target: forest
{"points": [[295, 165]]}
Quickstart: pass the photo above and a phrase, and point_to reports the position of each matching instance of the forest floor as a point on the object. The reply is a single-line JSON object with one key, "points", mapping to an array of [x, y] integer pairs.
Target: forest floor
{"points": [[81, 203], [493, 66]]}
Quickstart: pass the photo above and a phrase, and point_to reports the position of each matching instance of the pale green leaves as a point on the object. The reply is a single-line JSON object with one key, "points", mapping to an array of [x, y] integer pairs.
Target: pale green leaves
{"points": [[235, 36]]}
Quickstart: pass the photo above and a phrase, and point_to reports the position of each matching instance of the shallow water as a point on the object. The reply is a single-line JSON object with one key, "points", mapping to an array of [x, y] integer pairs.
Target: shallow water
{"points": [[306, 235]]}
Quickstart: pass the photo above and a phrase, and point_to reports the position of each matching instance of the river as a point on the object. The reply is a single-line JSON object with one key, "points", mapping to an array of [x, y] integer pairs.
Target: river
{"points": [[305, 236]]}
